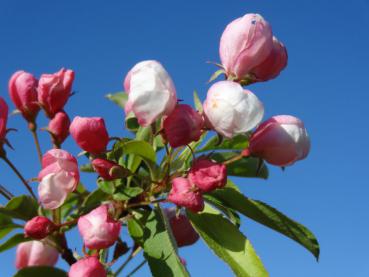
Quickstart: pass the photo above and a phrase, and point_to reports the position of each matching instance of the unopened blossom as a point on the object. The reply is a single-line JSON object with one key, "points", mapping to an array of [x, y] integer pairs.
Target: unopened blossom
{"points": [[230, 110], [39, 227], [58, 177], [54, 90], [108, 170], [185, 194], [182, 229], [87, 267], [245, 43], [98, 228], [90, 134], [23, 93], [151, 92], [182, 126], [3, 119], [207, 174], [281, 140], [273, 64], [59, 127], [35, 253]]}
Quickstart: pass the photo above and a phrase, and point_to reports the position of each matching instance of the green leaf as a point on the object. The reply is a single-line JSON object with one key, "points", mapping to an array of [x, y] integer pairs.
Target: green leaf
{"points": [[21, 207], [132, 122], [13, 241], [228, 243], [245, 167], [238, 142], [141, 148], [106, 186], [119, 98], [197, 102], [126, 193], [39, 271], [159, 246], [216, 74], [268, 216]]}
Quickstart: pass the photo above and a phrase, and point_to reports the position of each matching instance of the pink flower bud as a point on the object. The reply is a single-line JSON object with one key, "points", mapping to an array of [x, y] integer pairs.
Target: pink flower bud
{"points": [[3, 119], [208, 175], [59, 127], [185, 194], [35, 253], [39, 227], [273, 64], [151, 92], [58, 177], [23, 93], [245, 43], [281, 140], [90, 134], [231, 110], [107, 169], [182, 229], [98, 229], [54, 90], [183, 126], [87, 267]]}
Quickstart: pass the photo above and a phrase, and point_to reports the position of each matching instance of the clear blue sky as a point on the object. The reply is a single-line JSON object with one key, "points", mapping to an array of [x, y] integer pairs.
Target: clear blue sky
{"points": [[325, 84]]}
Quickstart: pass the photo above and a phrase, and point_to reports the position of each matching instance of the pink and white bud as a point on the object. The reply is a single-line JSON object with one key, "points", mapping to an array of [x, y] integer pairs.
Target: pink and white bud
{"points": [[185, 194], [54, 90], [90, 134], [245, 43], [39, 227], [58, 177], [182, 229], [183, 126], [87, 267], [208, 175], [23, 93], [273, 64], [3, 119], [35, 253], [151, 92], [231, 110], [108, 170], [281, 140], [59, 127], [98, 228]]}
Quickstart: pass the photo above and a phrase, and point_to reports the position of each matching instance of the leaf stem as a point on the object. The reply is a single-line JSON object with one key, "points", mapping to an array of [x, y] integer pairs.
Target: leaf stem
{"points": [[233, 159], [12, 166]]}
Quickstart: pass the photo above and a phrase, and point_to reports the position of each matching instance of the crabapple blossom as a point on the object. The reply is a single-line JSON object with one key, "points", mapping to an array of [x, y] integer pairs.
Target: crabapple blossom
{"points": [[35, 253]]}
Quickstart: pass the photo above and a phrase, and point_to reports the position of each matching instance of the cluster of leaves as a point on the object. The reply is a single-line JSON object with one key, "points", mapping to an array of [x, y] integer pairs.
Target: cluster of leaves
{"points": [[151, 164]]}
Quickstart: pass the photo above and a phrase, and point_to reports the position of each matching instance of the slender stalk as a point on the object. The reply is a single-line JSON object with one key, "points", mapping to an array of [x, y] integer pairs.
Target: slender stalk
{"points": [[130, 257], [137, 268], [7, 192], [37, 143], [11, 165], [233, 159], [4, 194]]}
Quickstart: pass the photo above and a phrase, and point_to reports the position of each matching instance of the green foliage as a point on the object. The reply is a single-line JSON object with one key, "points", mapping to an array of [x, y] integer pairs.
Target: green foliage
{"points": [[40, 271], [20, 207], [239, 142], [152, 231], [228, 243], [197, 102], [119, 98], [268, 216]]}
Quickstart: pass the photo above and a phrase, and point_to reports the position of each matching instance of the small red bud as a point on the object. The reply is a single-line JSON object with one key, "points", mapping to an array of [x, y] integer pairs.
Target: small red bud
{"points": [[39, 227]]}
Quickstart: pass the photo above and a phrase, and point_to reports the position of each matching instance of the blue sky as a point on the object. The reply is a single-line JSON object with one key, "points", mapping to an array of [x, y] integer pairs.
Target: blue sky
{"points": [[325, 84]]}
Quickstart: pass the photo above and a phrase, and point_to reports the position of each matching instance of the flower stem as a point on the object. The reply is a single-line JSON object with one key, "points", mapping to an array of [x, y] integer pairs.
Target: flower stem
{"points": [[137, 268], [33, 128], [233, 159], [12, 166], [130, 257]]}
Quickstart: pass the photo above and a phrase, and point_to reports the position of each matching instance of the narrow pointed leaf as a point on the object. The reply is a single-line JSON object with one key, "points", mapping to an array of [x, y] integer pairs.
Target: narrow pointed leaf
{"points": [[228, 243], [268, 216]]}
